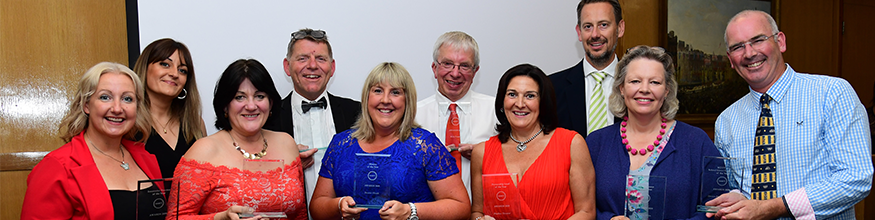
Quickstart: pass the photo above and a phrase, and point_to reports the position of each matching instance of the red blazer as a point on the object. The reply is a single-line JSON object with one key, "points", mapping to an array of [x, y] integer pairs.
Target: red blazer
{"points": [[67, 185]]}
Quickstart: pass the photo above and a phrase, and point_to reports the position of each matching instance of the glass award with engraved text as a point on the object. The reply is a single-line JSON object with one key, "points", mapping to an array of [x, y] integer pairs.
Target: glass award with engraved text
{"points": [[501, 199], [372, 186], [152, 198], [719, 175], [645, 197], [264, 173]]}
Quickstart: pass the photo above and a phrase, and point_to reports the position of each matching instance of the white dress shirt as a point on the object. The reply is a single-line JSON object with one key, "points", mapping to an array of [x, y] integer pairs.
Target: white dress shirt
{"points": [[476, 121], [607, 87], [314, 129]]}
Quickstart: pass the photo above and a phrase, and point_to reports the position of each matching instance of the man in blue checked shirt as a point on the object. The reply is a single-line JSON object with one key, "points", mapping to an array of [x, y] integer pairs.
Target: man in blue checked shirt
{"points": [[806, 136]]}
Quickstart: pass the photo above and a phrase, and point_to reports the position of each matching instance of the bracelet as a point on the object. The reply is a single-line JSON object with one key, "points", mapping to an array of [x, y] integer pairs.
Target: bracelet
{"points": [[339, 202], [478, 217]]}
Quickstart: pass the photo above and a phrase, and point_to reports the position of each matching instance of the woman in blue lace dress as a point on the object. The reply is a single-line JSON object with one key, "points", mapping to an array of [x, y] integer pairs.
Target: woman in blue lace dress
{"points": [[386, 166]]}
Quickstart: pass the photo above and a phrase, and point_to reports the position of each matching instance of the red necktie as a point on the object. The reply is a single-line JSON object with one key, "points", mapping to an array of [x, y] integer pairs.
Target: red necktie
{"points": [[453, 137]]}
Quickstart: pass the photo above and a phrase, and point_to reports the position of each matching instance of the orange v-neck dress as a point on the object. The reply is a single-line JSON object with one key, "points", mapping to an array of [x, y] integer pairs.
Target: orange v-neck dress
{"points": [[544, 190]]}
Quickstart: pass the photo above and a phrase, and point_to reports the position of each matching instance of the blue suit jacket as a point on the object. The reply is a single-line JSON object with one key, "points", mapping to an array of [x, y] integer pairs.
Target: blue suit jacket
{"points": [[680, 162]]}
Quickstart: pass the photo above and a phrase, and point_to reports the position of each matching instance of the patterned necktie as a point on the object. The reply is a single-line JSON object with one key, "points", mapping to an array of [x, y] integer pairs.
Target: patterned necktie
{"points": [[596, 119], [453, 137], [764, 186]]}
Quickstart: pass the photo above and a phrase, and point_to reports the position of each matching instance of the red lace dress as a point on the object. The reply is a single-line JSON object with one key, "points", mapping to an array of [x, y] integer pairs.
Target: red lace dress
{"points": [[206, 189]]}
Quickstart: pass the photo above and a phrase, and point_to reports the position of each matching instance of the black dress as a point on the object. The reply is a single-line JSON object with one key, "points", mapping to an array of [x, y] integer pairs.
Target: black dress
{"points": [[152, 205], [167, 157]]}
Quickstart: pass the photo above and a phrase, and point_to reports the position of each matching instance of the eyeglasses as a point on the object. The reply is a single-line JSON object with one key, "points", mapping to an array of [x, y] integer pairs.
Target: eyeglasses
{"points": [[755, 42], [450, 66], [316, 34]]}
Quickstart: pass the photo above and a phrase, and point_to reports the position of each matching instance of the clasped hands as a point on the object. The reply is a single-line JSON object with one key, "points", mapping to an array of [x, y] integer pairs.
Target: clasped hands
{"points": [[392, 209]]}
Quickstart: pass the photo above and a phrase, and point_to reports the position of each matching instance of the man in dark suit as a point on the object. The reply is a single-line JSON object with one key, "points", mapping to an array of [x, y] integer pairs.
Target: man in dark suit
{"points": [[309, 113], [589, 83]]}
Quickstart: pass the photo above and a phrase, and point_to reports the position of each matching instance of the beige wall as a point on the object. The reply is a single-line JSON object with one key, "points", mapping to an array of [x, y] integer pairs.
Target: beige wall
{"points": [[45, 46]]}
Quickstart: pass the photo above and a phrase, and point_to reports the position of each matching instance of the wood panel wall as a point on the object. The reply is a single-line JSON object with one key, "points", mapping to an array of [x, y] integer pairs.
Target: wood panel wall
{"points": [[45, 46]]}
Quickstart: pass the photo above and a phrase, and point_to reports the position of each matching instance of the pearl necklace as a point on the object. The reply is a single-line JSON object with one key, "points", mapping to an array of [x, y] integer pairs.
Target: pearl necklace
{"points": [[649, 147], [253, 156]]}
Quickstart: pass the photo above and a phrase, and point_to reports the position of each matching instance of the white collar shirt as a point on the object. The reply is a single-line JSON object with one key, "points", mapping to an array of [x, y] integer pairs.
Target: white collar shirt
{"points": [[607, 87], [476, 116]]}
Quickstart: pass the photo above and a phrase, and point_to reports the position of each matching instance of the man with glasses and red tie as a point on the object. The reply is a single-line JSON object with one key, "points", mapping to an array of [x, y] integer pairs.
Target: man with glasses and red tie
{"points": [[459, 117], [309, 113], [806, 137]]}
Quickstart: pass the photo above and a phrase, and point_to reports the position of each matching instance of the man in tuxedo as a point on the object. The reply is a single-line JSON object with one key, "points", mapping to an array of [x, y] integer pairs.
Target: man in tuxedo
{"points": [[309, 113], [459, 117], [582, 91]]}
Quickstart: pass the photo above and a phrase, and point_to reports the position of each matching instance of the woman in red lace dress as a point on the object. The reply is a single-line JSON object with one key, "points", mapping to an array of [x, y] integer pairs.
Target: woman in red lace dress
{"points": [[218, 178]]}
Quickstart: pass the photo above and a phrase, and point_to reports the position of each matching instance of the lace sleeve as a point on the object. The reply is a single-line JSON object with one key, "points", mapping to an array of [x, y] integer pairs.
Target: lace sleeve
{"points": [[338, 142], [438, 162]]}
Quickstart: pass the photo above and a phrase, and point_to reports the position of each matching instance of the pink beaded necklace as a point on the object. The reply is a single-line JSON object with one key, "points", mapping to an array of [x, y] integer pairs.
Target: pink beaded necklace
{"points": [[649, 147]]}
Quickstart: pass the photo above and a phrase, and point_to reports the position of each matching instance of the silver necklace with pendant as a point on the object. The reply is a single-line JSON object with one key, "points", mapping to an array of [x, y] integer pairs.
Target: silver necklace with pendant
{"points": [[123, 164], [521, 146]]}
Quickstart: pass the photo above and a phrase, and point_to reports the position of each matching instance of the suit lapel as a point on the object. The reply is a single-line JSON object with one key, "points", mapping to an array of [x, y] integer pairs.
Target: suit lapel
{"points": [[94, 191], [286, 119], [340, 113], [577, 89]]}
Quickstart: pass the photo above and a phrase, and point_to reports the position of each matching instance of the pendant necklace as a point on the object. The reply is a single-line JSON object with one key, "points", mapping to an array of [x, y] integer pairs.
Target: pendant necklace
{"points": [[123, 164], [247, 155], [521, 146], [167, 124]]}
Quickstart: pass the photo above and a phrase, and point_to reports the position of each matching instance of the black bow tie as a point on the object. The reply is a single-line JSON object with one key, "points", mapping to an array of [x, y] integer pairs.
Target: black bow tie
{"points": [[322, 103]]}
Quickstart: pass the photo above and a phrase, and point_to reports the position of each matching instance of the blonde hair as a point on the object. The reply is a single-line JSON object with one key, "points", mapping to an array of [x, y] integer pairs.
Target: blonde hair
{"points": [[76, 120], [397, 76], [669, 107]]}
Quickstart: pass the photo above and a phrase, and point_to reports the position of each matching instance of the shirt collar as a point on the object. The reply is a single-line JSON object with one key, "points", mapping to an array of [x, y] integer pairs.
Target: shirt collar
{"points": [[777, 90], [610, 70], [462, 105], [297, 99]]}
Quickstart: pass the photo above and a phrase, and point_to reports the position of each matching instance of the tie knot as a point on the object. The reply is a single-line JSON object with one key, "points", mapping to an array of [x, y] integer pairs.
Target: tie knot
{"points": [[306, 106], [453, 107], [765, 99], [598, 76]]}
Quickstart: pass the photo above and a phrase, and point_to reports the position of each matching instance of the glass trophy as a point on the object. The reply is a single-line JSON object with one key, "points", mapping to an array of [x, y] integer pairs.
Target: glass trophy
{"points": [[645, 197], [152, 198], [719, 175], [371, 183], [268, 174], [501, 199]]}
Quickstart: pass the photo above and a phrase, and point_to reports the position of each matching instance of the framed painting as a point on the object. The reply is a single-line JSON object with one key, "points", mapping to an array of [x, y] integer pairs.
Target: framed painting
{"points": [[694, 31]]}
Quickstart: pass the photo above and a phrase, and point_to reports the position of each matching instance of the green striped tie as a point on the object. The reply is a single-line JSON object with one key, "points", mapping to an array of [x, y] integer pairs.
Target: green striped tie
{"points": [[596, 120]]}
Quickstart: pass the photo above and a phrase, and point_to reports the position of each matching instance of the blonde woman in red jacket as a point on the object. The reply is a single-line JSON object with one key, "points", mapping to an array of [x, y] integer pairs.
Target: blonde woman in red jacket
{"points": [[94, 175]]}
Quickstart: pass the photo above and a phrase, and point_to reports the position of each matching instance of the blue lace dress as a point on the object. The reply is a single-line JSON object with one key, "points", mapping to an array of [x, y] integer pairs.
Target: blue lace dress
{"points": [[414, 162]]}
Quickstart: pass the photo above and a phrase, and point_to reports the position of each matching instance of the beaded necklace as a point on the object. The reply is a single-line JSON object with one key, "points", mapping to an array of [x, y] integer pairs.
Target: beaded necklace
{"points": [[641, 151]]}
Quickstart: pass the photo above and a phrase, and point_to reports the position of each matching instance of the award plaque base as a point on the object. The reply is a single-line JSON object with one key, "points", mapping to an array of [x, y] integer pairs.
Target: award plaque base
{"points": [[368, 206], [707, 209], [268, 215]]}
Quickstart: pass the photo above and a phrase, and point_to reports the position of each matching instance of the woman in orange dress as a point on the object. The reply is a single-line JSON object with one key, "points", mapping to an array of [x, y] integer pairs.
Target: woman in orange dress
{"points": [[547, 161]]}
